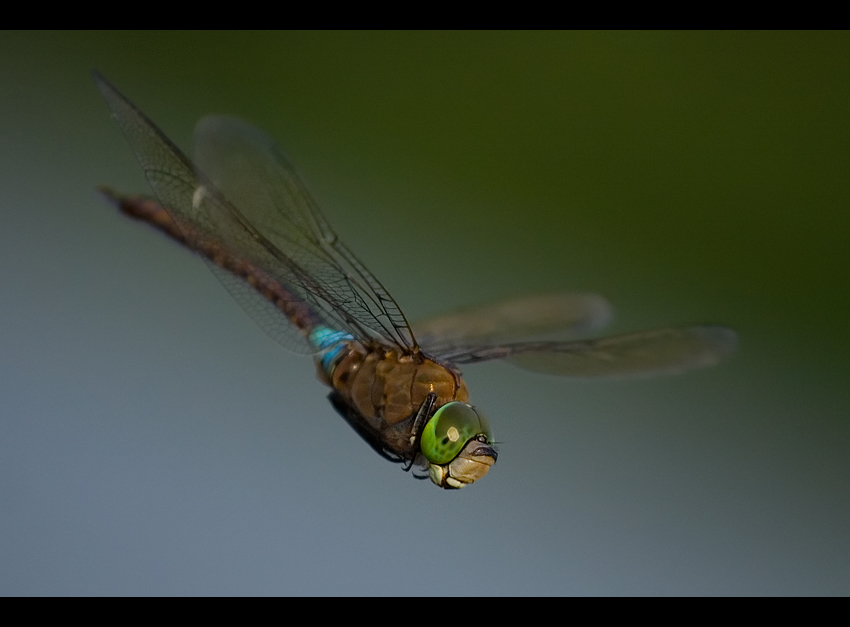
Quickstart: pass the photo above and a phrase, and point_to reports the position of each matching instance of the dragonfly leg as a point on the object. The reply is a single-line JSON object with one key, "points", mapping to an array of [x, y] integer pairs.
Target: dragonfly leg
{"points": [[422, 416]]}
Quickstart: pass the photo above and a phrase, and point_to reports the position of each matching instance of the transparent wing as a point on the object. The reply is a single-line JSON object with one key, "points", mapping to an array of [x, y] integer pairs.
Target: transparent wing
{"points": [[573, 314], [252, 171], [660, 351], [277, 230], [278, 312]]}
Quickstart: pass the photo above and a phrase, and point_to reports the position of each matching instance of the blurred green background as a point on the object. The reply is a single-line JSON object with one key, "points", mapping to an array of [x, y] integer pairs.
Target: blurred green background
{"points": [[154, 441]]}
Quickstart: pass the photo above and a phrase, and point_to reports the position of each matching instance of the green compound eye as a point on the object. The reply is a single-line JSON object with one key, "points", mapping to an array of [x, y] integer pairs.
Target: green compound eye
{"points": [[452, 426]]}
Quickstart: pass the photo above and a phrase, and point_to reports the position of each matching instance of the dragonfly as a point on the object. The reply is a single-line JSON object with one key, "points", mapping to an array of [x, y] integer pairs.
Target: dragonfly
{"points": [[243, 208]]}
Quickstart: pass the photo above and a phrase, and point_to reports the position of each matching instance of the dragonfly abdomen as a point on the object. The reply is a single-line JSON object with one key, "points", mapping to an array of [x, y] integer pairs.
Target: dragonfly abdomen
{"points": [[331, 345], [150, 211]]}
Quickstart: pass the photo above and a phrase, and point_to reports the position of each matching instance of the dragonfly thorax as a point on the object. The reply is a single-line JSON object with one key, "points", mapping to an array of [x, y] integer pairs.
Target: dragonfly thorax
{"points": [[387, 386]]}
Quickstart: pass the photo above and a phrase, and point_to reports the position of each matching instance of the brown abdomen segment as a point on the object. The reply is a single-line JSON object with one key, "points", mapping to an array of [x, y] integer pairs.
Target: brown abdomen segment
{"points": [[387, 387]]}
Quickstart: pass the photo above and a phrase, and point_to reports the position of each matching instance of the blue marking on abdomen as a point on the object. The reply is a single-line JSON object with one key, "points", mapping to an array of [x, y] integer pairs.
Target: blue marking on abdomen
{"points": [[330, 344]]}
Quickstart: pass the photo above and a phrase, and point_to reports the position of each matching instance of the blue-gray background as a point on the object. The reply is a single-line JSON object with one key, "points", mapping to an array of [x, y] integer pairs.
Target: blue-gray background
{"points": [[154, 441]]}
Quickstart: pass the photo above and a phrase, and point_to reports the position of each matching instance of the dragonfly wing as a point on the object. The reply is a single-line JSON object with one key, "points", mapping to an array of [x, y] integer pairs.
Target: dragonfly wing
{"points": [[573, 314], [298, 258], [253, 172], [668, 350], [271, 305]]}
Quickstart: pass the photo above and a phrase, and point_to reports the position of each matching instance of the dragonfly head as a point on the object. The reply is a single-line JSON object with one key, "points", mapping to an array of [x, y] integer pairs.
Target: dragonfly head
{"points": [[458, 445]]}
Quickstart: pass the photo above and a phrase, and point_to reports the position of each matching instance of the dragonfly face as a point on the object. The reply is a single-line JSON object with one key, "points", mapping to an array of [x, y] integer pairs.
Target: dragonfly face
{"points": [[458, 444], [242, 207]]}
